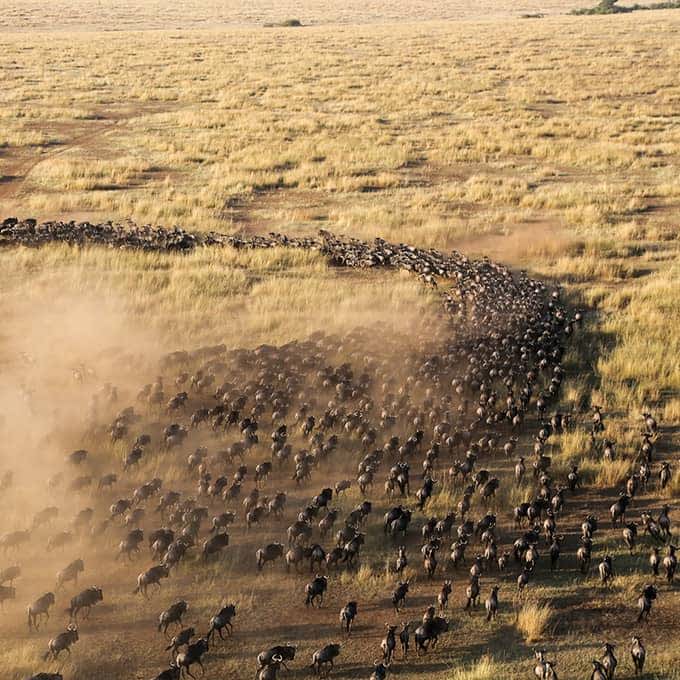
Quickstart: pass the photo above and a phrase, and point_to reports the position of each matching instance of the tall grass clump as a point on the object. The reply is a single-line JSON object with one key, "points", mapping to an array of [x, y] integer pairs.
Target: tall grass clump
{"points": [[533, 620], [612, 473], [484, 669]]}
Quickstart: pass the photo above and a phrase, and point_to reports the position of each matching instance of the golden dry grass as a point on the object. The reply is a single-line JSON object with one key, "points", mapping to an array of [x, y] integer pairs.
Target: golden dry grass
{"points": [[157, 14], [548, 144], [484, 669], [533, 621]]}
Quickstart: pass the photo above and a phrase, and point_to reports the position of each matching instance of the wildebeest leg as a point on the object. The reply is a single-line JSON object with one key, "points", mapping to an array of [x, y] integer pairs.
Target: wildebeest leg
{"points": [[219, 630]]}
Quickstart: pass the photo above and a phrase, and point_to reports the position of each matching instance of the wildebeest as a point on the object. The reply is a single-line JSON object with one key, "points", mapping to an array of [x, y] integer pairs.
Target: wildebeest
{"points": [[472, 594], [647, 597], [172, 615], [599, 671], [325, 657], [270, 553], [9, 574], [62, 642], [193, 654], [380, 670], [7, 593], [618, 510], [285, 652], [45, 516], [639, 654], [130, 544], [173, 672], [84, 601], [38, 609], [606, 570], [70, 573], [544, 669], [347, 615], [182, 639], [222, 621], [214, 545], [609, 661], [399, 594], [404, 638], [222, 521], [428, 633], [629, 536], [443, 597], [389, 644], [151, 576], [315, 590], [670, 563], [491, 604], [14, 540], [584, 553]]}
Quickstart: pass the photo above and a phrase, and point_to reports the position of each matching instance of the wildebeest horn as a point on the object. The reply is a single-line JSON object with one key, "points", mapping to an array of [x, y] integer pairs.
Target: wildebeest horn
{"points": [[277, 658]]}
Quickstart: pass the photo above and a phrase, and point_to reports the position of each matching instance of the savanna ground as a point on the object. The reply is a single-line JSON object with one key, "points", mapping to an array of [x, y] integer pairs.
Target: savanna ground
{"points": [[552, 145]]}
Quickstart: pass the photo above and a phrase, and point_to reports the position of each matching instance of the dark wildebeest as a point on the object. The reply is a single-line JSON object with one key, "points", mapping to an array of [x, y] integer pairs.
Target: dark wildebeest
{"points": [[62, 642], [324, 657], [270, 553], [315, 590], [84, 601], [173, 614], [399, 594], [428, 633], [222, 621], [193, 654], [285, 652]]}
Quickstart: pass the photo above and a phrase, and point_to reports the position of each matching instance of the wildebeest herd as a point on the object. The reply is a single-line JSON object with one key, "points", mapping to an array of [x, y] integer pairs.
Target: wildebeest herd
{"points": [[422, 421]]}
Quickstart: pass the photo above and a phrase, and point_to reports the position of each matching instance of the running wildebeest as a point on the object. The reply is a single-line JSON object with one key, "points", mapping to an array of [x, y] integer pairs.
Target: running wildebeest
{"points": [[638, 654], [151, 576], [172, 615], [315, 590], [325, 657], [399, 594], [544, 669], [85, 600], [389, 644], [193, 654], [428, 634], [285, 652], [222, 621], [62, 642], [182, 639], [647, 597], [347, 615], [39, 608], [270, 553], [609, 661]]}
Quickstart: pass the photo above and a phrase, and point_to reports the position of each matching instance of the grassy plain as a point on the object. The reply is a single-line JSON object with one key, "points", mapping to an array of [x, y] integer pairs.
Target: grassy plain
{"points": [[550, 144]]}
